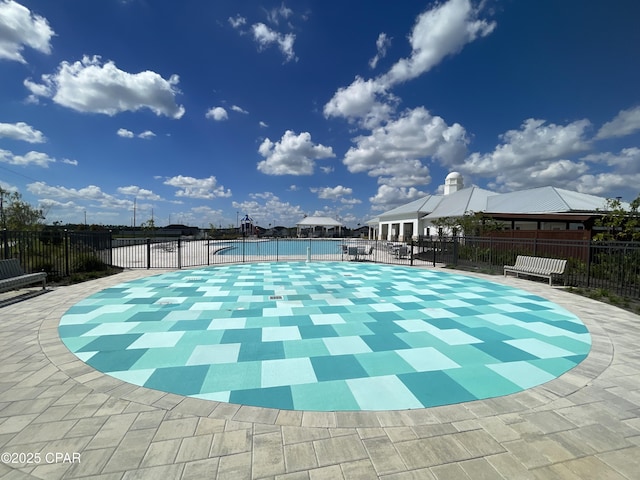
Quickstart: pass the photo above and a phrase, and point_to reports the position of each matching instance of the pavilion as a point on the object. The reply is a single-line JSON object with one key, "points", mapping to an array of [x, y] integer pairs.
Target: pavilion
{"points": [[326, 224], [557, 212]]}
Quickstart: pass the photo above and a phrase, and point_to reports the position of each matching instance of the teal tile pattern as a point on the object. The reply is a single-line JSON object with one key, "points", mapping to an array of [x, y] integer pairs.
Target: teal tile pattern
{"points": [[325, 336]]}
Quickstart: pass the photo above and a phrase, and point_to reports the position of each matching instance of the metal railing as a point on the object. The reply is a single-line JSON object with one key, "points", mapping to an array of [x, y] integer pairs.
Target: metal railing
{"points": [[611, 266], [181, 253], [60, 253]]}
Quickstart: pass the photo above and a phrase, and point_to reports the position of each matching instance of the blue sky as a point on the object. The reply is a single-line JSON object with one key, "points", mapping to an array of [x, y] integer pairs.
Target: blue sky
{"points": [[199, 112]]}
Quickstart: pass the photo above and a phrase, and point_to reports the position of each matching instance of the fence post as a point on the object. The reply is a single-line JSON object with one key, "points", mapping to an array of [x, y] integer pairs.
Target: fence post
{"points": [[5, 243], [589, 247], [433, 249], [455, 251], [148, 253], [110, 247], [411, 254], [66, 252], [179, 253]]}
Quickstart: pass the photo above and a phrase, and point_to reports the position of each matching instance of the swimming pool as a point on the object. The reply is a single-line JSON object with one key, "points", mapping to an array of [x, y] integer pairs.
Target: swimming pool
{"points": [[325, 336], [279, 247]]}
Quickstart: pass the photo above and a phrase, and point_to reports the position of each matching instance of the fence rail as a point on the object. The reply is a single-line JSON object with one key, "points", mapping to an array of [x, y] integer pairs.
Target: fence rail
{"points": [[611, 266]]}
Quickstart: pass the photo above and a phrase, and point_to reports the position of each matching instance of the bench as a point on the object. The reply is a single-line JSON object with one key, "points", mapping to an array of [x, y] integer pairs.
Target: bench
{"points": [[537, 266], [12, 276]]}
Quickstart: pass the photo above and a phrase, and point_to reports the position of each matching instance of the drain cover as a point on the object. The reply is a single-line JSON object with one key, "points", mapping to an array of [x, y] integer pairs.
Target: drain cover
{"points": [[275, 297]]}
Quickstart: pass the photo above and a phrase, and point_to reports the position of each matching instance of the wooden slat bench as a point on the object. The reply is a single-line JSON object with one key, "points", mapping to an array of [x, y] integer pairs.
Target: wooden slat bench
{"points": [[12, 276], [537, 266]]}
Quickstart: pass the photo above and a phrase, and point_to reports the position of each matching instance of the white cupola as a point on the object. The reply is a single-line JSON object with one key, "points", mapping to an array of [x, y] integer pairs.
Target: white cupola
{"points": [[453, 183]]}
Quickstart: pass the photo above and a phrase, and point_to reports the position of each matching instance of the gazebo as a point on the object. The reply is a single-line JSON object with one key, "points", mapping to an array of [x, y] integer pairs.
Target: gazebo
{"points": [[327, 223]]}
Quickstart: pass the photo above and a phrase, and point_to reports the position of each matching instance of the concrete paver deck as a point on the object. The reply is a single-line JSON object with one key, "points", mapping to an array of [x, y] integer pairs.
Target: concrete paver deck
{"points": [[59, 418]]}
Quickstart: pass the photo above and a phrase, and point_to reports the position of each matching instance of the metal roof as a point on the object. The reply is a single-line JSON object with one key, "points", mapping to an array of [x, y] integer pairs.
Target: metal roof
{"points": [[415, 208], [544, 200], [318, 222], [463, 201]]}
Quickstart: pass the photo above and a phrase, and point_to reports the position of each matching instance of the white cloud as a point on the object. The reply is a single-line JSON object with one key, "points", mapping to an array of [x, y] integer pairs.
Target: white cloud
{"points": [[238, 109], [292, 155], [217, 113], [625, 123], [606, 183], [389, 197], [190, 187], [238, 21], [19, 27], [275, 14], [441, 31], [135, 191], [147, 134], [21, 131], [266, 208], [263, 124], [68, 161], [367, 101], [91, 86], [265, 37], [91, 193], [622, 178], [394, 151], [30, 158], [628, 160], [382, 43], [124, 133], [530, 147], [332, 193], [8, 187], [70, 208]]}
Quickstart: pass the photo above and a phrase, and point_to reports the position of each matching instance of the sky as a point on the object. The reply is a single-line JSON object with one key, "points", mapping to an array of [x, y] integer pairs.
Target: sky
{"points": [[117, 112]]}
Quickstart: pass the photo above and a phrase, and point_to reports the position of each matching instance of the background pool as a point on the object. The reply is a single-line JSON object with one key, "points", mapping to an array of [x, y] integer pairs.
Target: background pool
{"points": [[280, 247]]}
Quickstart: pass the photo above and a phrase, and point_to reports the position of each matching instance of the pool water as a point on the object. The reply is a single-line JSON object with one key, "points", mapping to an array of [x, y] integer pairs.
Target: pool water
{"points": [[280, 247], [325, 336]]}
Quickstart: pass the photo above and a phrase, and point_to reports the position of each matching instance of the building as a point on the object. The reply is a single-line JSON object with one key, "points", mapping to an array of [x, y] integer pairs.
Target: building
{"points": [[319, 227], [543, 209]]}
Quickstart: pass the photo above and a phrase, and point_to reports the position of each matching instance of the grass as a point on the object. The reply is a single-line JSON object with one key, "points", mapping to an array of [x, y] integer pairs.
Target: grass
{"points": [[605, 296]]}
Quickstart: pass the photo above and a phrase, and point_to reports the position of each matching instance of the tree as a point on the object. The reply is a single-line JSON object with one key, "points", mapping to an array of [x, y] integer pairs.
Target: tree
{"points": [[618, 223], [149, 225], [16, 214]]}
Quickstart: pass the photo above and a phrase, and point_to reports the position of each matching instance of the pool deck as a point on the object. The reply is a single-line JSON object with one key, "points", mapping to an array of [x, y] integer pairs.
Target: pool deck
{"points": [[582, 425]]}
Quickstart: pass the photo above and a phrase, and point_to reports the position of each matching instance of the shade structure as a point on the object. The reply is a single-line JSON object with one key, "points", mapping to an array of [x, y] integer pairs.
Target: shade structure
{"points": [[327, 223]]}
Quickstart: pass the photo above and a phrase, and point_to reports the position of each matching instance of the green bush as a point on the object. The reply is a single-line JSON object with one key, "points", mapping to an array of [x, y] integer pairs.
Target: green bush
{"points": [[89, 263]]}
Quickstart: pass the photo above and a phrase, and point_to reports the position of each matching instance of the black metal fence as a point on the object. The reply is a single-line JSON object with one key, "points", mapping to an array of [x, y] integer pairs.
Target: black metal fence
{"points": [[180, 252], [611, 266], [60, 253]]}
